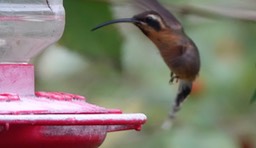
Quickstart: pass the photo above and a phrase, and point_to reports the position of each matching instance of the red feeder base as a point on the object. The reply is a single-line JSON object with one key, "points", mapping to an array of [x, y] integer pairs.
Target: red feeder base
{"points": [[43, 119]]}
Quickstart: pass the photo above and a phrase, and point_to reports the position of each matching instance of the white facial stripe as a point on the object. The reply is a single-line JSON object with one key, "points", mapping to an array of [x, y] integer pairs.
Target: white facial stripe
{"points": [[155, 17]]}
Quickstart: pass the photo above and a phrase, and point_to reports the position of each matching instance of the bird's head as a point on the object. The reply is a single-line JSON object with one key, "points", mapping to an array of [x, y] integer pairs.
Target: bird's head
{"points": [[149, 21]]}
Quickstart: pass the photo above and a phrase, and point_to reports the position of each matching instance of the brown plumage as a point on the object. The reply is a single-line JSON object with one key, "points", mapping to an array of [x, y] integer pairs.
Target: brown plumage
{"points": [[177, 50]]}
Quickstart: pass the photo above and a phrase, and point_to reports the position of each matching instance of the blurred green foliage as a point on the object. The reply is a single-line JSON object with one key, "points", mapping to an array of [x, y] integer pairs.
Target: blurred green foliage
{"points": [[253, 99], [217, 114], [81, 17]]}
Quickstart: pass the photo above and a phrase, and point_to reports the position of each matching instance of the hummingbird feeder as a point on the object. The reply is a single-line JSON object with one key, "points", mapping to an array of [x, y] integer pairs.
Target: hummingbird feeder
{"points": [[45, 119]]}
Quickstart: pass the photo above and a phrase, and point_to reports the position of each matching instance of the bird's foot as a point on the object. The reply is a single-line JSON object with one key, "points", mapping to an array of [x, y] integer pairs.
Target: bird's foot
{"points": [[173, 78]]}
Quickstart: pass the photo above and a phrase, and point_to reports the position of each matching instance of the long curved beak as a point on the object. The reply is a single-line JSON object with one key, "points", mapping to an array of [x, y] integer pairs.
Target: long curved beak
{"points": [[123, 20]]}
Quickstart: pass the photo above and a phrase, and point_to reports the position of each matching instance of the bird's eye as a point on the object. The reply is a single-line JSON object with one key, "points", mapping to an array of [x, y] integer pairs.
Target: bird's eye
{"points": [[149, 20], [153, 22]]}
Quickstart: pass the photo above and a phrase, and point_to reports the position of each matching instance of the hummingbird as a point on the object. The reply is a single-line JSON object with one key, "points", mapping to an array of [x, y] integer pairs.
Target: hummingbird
{"points": [[178, 51]]}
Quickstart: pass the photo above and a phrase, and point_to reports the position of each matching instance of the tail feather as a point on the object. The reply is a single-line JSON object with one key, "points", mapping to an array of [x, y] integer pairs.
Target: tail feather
{"points": [[184, 90]]}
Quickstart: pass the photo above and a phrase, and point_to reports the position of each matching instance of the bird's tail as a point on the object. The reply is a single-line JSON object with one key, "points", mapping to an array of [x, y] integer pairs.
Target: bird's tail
{"points": [[184, 90]]}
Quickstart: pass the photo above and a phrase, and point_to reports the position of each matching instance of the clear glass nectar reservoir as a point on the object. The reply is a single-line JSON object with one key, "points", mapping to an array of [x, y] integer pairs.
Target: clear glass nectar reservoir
{"points": [[27, 27]]}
